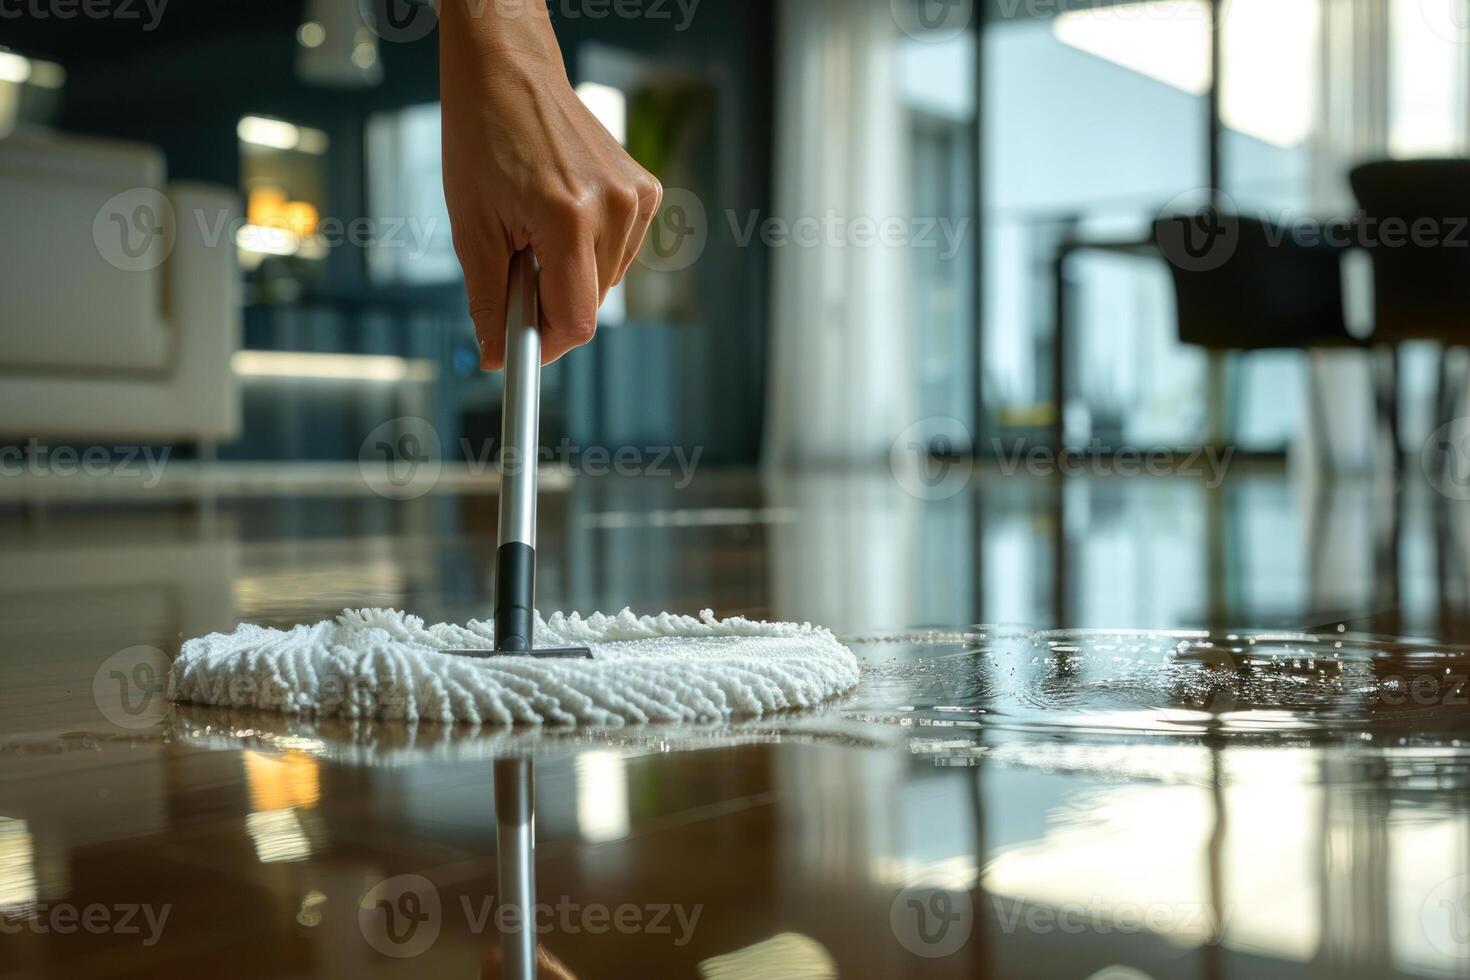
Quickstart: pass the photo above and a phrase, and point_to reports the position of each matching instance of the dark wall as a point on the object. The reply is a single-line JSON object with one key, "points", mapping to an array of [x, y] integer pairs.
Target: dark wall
{"points": [[184, 84]]}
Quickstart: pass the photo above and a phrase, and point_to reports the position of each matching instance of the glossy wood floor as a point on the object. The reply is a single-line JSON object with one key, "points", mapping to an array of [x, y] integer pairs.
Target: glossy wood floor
{"points": [[918, 828]]}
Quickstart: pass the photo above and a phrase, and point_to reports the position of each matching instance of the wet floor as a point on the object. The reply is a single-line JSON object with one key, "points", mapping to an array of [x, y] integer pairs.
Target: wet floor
{"points": [[1193, 800]]}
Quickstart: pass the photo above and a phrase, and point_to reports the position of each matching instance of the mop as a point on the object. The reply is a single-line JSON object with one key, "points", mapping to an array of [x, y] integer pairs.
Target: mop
{"points": [[518, 668]]}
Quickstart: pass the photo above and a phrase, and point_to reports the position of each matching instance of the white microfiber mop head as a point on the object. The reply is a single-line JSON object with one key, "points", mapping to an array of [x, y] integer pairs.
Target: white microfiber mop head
{"points": [[382, 663]]}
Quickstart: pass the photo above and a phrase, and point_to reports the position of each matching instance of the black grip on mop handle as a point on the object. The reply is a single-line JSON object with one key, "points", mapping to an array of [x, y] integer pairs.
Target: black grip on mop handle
{"points": [[515, 597]]}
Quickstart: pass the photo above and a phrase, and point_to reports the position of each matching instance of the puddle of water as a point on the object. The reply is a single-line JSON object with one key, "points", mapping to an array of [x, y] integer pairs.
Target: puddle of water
{"points": [[1156, 682]]}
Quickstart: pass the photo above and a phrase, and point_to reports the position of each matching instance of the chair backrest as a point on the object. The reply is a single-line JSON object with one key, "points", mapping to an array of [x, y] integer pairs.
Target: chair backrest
{"points": [[1255, 287], [1415, 223]]}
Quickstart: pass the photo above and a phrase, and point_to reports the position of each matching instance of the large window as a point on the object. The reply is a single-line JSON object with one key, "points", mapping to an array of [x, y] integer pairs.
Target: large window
{"points": [[406, 186], [1097, 118], [1093, 120], [938, 84]]}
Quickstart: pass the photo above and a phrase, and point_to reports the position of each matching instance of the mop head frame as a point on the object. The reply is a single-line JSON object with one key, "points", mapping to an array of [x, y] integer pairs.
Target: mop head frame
{"points": [[386, 664]]}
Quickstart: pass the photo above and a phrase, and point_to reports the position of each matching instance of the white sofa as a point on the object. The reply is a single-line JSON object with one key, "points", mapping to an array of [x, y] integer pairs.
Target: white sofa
{"points": [[103, 337]]}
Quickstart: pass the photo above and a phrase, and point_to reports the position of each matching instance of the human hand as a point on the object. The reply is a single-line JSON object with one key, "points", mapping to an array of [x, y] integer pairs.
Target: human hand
{"points": [[526, 164]]}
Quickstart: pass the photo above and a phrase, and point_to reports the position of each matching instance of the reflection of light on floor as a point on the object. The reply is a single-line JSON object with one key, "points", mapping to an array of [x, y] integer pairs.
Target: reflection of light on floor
{"points": [[277, 782], [1429, 891], [310, 913], [933, 829], [279, 835], [1271, 867], [1160, 763], [17, 865], [692, 517], [788, 955], [1141, 854], [283, 789], [1112, 857], [602, 796]]}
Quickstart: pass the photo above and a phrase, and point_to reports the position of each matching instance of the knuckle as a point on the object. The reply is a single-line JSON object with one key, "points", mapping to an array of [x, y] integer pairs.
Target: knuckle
{"points": [[650, 191], [581, 330], [572, 207], [623, 198]]}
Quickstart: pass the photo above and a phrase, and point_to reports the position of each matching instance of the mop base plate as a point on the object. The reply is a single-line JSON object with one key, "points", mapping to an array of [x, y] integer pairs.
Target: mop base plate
{"points": [[540, 653]]}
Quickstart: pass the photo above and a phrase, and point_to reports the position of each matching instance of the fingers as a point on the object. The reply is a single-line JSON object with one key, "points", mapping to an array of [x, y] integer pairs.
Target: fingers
{"points": [[570, 289], [650, 196], [585, 246], [584, 252], [612, 236], [487, 278], [629, 211]]}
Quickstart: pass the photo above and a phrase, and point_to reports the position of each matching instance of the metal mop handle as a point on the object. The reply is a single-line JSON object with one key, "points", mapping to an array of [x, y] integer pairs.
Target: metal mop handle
{"points": [[515, 560]]}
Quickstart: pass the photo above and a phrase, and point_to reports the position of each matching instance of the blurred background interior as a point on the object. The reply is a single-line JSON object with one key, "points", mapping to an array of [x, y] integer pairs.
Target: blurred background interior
{"points": [[226, 243]]}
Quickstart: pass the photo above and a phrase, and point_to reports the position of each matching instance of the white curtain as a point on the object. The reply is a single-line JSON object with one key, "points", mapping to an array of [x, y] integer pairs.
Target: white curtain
{"points": [[1352, 127], [1352, 97], [1391, 83], [840, 382]]}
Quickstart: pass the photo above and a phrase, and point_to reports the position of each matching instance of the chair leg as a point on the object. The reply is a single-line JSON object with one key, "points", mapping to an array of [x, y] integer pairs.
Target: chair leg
{"points": [[1441, 402], [1386, 383], [1217, 399], [1321, 418]]}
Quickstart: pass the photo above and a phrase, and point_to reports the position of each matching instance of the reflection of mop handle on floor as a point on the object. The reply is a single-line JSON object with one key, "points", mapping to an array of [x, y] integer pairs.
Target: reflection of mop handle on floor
{"points": [[515, 559]]}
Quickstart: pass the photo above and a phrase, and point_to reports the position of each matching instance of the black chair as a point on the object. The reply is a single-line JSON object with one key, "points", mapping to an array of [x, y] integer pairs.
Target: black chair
{"points": [[1244, 285], [1421, 278], [1415, 224], [1257, 288]]}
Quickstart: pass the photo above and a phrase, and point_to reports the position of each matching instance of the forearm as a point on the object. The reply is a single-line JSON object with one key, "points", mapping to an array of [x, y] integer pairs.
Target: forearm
{"points": [[493, 35]]}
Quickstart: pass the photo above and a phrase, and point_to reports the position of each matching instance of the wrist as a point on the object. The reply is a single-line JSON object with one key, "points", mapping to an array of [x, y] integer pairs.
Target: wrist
{"points": [[501, 33]]}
